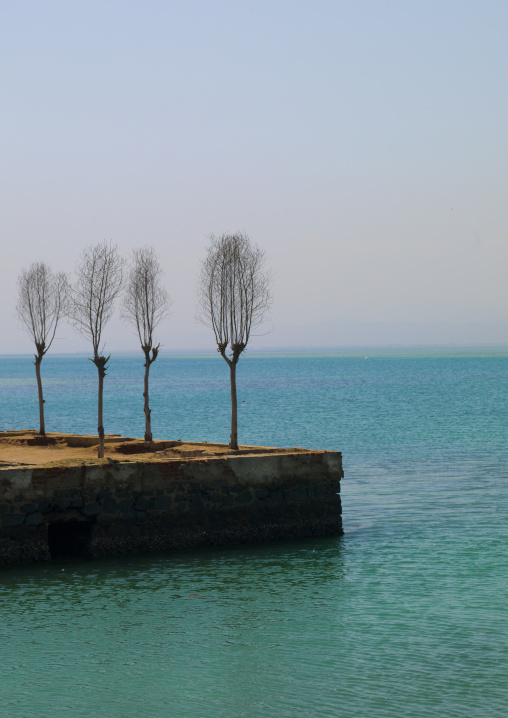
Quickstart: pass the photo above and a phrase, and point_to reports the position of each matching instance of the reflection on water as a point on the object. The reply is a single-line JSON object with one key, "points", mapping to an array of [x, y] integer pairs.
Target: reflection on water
{"points": [[194, 624], [401, 616]]}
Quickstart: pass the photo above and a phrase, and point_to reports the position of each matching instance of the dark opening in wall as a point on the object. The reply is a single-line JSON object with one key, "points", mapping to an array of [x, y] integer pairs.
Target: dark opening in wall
{"points": [[69, 538]]}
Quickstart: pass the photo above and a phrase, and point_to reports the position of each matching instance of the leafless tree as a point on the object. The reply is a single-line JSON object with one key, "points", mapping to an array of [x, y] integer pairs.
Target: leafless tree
{"points": [[42, 298], [145, 304], [98, 282], [233, 298]]}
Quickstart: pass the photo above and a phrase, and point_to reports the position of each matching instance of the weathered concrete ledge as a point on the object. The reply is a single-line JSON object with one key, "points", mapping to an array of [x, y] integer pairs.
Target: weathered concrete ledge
{"points": [[121, 506]]}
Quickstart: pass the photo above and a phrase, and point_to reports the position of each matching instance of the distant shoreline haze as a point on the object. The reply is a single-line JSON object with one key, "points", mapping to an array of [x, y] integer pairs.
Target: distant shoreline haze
{"points": [[366, 352], [176, 335]]}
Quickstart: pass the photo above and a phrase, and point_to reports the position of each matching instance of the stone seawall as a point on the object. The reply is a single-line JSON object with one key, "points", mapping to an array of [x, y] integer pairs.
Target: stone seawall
{"points": [[115, 508]]}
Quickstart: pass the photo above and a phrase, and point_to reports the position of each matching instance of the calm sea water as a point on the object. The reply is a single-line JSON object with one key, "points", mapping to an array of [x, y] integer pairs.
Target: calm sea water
{"points": [[406, 615]]}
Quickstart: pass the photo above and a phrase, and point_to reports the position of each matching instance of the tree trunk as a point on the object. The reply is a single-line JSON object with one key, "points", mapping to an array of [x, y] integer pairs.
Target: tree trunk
{"points": [[234, 407], [100, 427], [42, 425], [146, 409]]}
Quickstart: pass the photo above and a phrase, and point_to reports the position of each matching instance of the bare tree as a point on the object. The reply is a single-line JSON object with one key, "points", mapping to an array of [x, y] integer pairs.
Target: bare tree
{"points": [[233, 298], [98, 283], [145, 304], [42, 298]]}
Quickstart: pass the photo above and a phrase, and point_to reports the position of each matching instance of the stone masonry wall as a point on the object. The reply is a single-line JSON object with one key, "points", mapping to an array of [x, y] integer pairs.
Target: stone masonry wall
{"points": [[123, 507]]}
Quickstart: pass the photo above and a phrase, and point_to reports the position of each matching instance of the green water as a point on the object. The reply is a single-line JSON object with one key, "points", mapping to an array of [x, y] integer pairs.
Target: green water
{"points": [[405, 615]]}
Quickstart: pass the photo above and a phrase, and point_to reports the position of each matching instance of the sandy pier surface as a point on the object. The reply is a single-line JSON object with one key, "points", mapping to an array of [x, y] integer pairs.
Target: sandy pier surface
{"points": [[28, 448]]}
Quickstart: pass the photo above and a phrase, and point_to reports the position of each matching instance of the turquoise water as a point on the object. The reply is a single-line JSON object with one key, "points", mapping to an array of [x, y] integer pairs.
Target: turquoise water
{"points": [[405, 615]]}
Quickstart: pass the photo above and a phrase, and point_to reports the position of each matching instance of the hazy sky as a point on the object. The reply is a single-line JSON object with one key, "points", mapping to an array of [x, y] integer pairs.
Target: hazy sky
{"points": [[364, 145]]}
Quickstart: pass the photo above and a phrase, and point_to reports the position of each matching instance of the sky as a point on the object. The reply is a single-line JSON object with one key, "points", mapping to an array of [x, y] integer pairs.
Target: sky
{"points": [[363, 145]]}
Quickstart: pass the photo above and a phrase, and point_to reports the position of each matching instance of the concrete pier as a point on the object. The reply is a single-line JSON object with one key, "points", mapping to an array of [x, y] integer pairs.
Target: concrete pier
{"points": [[159, 496]]}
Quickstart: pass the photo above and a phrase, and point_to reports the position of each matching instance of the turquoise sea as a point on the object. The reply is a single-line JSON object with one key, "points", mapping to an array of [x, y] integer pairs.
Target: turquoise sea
{"points": [[406, 615]]}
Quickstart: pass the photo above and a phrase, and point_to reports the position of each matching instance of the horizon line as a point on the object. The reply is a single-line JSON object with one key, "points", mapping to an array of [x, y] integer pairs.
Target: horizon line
{"points": [[292, 349]]}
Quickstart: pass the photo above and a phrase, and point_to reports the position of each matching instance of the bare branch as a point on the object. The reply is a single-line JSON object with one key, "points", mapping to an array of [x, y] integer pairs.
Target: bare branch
{"points": [[234, 291], [146, 302], [233, 298], [42, 301], [98, 283]]}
